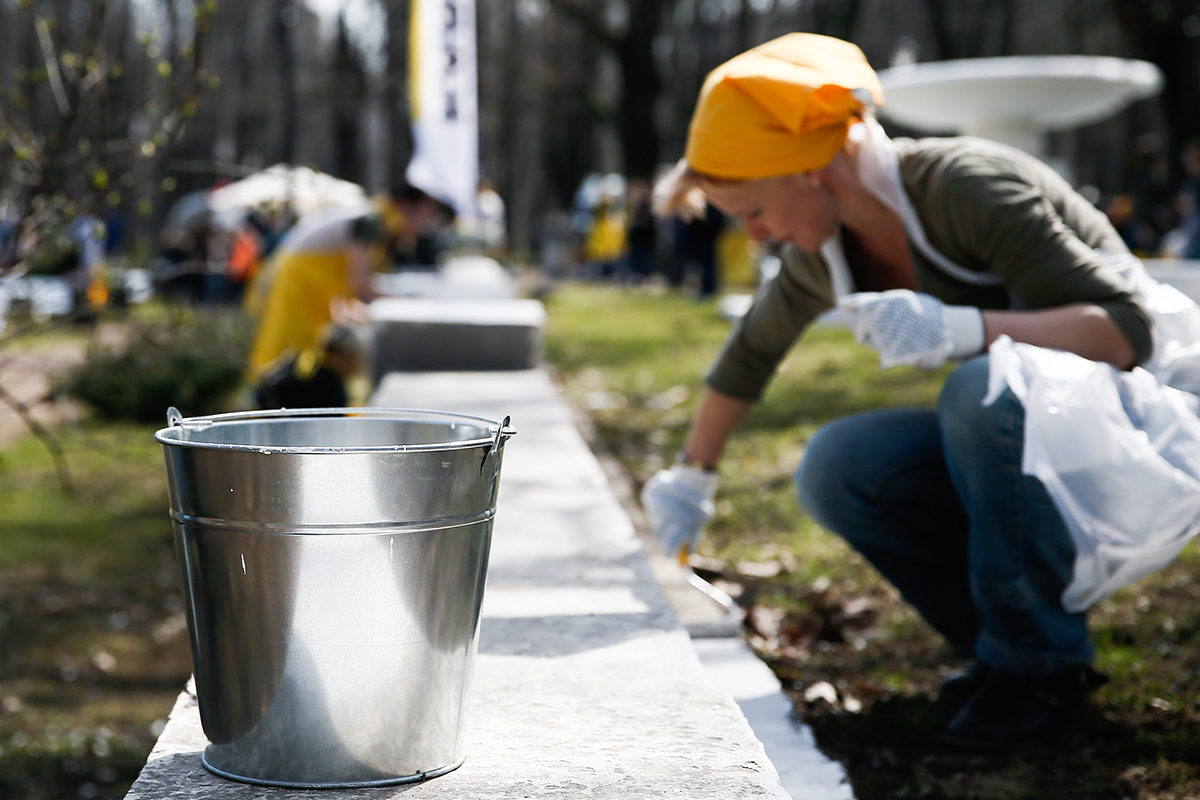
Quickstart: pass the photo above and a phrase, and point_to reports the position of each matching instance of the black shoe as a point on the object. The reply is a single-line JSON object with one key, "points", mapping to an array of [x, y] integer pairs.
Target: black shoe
{"points": [[1011, 709], [958, 687]]}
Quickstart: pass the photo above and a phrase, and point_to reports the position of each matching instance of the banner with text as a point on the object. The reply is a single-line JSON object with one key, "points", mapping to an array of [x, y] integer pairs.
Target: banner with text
{"points": [[445, 110]]}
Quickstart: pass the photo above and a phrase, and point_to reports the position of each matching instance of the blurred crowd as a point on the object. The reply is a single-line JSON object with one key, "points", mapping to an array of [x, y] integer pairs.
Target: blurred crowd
{"points": [[1155, 219], [73, 250], [296, 250], [611, 233], [214, 256], [214, 253], [211, 255]]}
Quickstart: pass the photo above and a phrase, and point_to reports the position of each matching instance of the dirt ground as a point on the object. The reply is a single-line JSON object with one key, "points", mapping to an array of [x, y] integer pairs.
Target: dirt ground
{"points": [[26, 375]]}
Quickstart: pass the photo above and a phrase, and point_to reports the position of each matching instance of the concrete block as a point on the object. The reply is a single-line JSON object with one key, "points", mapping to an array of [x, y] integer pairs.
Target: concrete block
{"points": [[464, 277], [437, 335], [1183, 274]]}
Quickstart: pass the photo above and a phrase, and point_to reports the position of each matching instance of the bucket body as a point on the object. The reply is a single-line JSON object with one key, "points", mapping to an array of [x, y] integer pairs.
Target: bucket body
{"points": [[333, 567]]}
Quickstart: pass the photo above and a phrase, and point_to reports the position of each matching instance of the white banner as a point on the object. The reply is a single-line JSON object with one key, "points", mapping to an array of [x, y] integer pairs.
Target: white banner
{"points": [[445, 108]]}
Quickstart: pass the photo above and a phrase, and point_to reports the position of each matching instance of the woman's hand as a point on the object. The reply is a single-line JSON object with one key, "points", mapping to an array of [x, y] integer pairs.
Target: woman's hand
{"points": [[913, 329], [679, 503], [919, 330]]}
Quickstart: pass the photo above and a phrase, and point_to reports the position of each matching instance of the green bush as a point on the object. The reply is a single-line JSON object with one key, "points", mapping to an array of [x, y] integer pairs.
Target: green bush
{"points": [[190, 359]]}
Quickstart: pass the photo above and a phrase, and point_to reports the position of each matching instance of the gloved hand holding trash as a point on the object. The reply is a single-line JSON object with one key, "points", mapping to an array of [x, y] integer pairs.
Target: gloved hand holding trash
{"points": [[913, 329], [678, 503]]}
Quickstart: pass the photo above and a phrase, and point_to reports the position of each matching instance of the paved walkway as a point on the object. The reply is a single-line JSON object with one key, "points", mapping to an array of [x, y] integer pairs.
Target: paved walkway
{"points": [[587, 684]]}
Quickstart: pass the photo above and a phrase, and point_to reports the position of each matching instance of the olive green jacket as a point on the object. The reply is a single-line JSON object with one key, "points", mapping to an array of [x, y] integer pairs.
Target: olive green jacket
{"points": [[988, 209]]}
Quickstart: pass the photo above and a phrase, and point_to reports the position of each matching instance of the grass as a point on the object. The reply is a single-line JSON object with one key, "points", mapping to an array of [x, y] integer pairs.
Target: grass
{"points": [[642, 386], [859, 665], [93, 646]]}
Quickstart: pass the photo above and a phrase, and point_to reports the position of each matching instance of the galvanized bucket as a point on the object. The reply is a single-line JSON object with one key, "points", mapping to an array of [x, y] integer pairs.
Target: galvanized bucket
{"points": [[333, 564]]}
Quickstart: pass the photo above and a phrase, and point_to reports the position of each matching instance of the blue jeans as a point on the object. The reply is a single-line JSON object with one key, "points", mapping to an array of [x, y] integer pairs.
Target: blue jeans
{"points": [[937, 502]]}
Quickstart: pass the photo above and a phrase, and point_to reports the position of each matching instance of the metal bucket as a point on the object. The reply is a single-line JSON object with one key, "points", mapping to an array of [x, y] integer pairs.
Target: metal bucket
{"points": [[333, 565]]}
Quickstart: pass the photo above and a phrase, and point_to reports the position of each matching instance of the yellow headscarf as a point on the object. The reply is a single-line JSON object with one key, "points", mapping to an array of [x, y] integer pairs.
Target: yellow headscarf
{"points": [[782, 107]]}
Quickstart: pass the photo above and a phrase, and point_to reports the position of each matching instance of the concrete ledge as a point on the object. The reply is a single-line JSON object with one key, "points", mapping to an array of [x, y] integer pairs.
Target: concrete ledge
{"points": [[1183, 274], [586, 683], [432, 334], [461, 277]]}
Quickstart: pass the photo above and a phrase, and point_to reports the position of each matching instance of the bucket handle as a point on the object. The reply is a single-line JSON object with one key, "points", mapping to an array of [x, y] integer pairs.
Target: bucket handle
{"points": [[503, 431], [174, 418]]}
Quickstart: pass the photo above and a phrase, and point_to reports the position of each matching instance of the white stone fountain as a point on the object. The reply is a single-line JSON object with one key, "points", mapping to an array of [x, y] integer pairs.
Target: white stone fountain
{"points": [[1018, 99], [1014, 99]]}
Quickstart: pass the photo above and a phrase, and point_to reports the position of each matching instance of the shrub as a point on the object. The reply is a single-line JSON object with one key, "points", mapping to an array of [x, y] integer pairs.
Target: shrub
{"points": [[191, 359]]}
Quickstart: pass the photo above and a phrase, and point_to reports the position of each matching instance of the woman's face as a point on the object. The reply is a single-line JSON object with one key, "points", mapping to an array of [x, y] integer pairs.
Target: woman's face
{"points": [[791, 208]]}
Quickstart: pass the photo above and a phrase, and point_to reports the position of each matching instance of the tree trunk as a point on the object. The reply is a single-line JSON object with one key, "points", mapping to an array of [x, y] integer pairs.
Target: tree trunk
{"points": [[1159, 35], [395, 93], [640, 82], [640, 85], [284, 13]]}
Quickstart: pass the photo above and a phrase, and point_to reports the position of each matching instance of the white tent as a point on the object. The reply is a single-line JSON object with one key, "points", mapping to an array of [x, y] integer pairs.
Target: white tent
{"points": [[302, 188]]}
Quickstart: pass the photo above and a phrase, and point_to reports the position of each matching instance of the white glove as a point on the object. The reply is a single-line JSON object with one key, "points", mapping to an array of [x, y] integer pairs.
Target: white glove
{"points": [[911, 328], [678, 503]]}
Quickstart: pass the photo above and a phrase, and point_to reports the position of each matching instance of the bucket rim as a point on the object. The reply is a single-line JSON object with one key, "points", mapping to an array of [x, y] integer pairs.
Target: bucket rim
{"points": [[496, 431]]}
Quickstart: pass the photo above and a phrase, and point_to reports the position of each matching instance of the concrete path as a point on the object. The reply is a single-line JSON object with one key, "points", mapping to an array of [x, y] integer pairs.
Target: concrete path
{"points": [[587, 684]]}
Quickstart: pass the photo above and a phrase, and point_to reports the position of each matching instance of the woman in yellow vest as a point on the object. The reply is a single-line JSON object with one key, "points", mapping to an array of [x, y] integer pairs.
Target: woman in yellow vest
{"points": [[605, 242], [322, 270]]}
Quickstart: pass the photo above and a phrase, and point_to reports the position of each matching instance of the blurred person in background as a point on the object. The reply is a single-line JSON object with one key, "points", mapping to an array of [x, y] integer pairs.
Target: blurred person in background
{"points": [[318, 376], [642, 230], [1183, 241], [322, 270], [694, 240], [604, 244], [488, 230]]}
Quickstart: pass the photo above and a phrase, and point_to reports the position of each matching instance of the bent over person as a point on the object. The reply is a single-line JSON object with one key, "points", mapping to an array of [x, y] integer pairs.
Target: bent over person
{"points": [[322, 270], [1004, 512]]}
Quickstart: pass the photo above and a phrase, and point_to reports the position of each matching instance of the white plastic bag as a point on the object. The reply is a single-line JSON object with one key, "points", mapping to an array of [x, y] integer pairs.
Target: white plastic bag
{"points": [[1119, 452]]}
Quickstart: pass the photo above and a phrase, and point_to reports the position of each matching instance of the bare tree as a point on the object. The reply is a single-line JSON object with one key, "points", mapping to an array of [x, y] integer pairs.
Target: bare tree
{"points": [[1167, 33], [73, 138], [395, 90], [628, 33], [98, 102], [350, 89], [77, 135], [285, 20], [972, 29]]}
